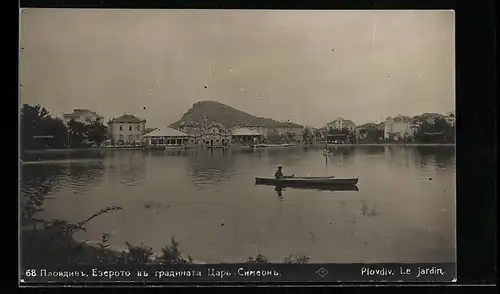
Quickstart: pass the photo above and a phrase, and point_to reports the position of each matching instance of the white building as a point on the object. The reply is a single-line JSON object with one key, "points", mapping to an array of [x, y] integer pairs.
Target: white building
{"points": [[207, 134], [293, 132], [341, 123], [126, 128], [398, 127], [215, 135], [245, 136], [166, 137], [84, 116]]}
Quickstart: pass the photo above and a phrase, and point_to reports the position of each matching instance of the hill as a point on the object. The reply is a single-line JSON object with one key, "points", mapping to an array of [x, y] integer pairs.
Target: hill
{"points": [[226, 115]]}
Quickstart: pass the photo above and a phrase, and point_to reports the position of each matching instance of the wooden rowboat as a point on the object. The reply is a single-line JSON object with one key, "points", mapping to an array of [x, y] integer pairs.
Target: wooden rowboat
{"points": [[332, 188], [308, 178], [306, 181]]}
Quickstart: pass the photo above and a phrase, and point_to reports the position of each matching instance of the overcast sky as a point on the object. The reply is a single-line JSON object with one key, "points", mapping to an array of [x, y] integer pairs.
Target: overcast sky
{"points": [[306, 66]]}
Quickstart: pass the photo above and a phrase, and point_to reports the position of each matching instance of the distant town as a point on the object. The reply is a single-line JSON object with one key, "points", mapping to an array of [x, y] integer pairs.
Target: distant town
{"points": [[85, 128]]}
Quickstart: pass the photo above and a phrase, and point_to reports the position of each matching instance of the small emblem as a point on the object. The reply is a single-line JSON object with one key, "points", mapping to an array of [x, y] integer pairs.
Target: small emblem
{"points": [[322, 272]]}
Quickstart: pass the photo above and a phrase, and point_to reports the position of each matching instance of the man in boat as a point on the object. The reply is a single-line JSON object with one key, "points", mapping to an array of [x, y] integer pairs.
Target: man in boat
{"points": [[279, 174]]}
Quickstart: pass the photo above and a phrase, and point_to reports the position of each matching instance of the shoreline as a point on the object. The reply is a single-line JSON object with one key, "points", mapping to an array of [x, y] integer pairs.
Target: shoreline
{"points": [[69, 150], [394, 144]]}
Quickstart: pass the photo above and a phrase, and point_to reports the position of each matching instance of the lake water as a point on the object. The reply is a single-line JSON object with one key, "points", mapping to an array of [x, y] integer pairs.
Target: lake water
{"points": [[404, 210]]}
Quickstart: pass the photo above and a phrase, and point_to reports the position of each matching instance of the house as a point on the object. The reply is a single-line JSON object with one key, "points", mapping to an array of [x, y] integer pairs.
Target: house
{"points": [[165, 137], [208, 134], [215, 135], [126, 129], [258, 129], [245, 136], [366, 126], [194, 132], [398, 127], [370, 131], [149, 130], [336, 138], [341, 123], [308, 134], [84, 116], [292, 133], [427, 117]]}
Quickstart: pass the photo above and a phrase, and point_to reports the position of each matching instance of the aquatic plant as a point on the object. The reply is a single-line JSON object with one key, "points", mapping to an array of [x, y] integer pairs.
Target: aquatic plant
{"points": [[137, 254], [297, 259], [54, 244], [257, 259], [171, 254]]}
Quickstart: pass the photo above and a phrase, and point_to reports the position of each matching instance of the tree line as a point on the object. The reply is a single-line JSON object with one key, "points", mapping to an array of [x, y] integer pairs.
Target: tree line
{"points": [[424, 131], [39, 130]]}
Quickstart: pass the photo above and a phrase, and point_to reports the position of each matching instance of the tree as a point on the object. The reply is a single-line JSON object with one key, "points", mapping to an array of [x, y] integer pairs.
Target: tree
{"points": [[78, 133], [438, 131], [306, 135], [372, 134], [36, 121], [97, 133], [56, 128], [406, 137], [31, 121], [318, 134], [274, 138], [449, 135]]}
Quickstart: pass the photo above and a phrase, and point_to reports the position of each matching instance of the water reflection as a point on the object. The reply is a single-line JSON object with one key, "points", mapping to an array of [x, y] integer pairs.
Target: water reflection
{"points": [[81, 177], [399, 157], [223, 189], [341, 150], [173, 152], [243, 150], [37, 181], [368, 211], [128, 167], [340, 158], [431, 155], [279, 192], [372, 150], [280, 189], [210, 167], [65, 156]]}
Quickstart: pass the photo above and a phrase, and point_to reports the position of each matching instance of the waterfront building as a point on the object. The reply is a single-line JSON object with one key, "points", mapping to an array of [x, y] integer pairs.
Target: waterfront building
{"points": [[369, 132], [338, 138], [194, 132], [292, 133], [215, 135], [84, 116], [341, 123], [245, 136], [126, 129], [166, 137], [398, 127], [208, 134]]}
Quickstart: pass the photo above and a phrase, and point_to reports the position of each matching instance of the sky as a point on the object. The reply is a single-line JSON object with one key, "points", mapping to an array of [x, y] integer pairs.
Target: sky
{"points": [[309, 67]]}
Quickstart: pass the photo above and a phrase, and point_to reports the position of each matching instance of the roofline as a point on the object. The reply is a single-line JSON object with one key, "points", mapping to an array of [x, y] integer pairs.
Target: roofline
{"points": [[175, 136], [125, 121], [82, 110]]}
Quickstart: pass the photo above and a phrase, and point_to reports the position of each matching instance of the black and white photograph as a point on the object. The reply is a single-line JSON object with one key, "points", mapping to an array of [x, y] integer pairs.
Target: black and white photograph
{"points": [[159, 136]]}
